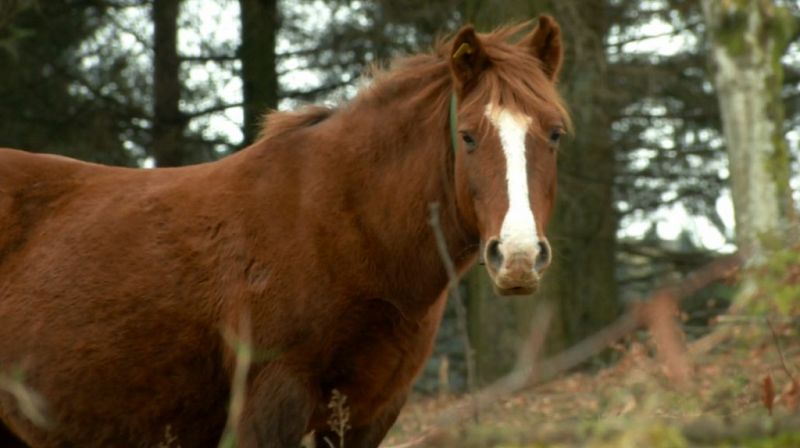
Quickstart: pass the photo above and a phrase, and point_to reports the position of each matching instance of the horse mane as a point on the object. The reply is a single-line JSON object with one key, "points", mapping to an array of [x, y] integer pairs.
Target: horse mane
{"points": [[515, 79], [279, 123]]}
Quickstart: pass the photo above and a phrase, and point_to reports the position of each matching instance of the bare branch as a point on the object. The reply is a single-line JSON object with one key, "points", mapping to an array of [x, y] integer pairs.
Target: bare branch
{"points": [[241, 343], [29, 402], [211, 110], [780, 351], [452, 285], [519, 380], [209, 58]]}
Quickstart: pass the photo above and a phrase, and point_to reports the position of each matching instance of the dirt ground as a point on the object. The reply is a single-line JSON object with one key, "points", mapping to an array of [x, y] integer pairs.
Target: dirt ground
{"points": [[739, 392]]}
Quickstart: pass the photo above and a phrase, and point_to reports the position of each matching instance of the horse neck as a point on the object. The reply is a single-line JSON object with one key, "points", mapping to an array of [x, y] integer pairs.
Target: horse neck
{"points": [[399, 166]]}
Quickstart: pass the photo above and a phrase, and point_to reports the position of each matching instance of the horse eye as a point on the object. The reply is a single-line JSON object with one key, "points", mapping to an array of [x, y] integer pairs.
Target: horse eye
{"points": [[555, 136], [469, 141]]}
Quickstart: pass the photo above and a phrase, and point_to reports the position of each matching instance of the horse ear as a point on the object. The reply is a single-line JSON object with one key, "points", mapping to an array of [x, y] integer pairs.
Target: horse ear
{"points": [[467, 59], [545, 44]]}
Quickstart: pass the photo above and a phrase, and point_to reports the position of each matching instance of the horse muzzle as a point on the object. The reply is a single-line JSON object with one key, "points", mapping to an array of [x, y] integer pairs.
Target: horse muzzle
{"points": [[516, 268]]}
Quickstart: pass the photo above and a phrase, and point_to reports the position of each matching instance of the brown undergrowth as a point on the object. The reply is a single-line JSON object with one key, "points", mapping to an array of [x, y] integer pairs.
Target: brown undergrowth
{"points": [[735, 387], [721, 399]]}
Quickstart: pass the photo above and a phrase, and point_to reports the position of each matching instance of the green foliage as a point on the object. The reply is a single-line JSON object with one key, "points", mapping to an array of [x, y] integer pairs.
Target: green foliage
{"points": [[778, 280], [730, 32], [777, 31], [10, 36], [46, 104], [785, 440], [656, 435]]}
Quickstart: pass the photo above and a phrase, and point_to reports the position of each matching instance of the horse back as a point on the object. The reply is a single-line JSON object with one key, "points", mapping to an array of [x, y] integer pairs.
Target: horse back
{"points": [[30, 185]]}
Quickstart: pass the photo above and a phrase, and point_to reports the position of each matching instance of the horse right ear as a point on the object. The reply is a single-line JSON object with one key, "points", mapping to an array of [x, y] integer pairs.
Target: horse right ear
{"points": [[467, 59]]}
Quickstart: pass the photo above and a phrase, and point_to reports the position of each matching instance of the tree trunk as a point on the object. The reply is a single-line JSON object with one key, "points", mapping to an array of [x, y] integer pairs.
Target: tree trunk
{"points": [[168, 122], [260, 24], [581, 282], [748, 38]]}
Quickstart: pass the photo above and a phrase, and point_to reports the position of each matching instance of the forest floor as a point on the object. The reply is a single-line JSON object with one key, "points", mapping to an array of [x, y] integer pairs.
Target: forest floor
{"points": [[742, 390]]}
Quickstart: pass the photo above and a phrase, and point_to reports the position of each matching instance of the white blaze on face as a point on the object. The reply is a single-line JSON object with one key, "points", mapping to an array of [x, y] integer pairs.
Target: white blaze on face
{"points": [[518, 232]]}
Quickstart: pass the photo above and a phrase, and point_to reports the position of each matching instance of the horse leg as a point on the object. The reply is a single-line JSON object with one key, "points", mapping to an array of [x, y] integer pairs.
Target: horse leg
{"points": [[366, 436], [276, 412]]}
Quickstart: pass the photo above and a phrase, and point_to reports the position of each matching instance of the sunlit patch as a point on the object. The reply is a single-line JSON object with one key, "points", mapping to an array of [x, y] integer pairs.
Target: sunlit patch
{"points": [[518, 232]]}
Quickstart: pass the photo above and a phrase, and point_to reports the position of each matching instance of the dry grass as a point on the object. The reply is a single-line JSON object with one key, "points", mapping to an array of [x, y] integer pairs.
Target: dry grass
{"points": [[29, 402], [638, 402], [339, 420]]}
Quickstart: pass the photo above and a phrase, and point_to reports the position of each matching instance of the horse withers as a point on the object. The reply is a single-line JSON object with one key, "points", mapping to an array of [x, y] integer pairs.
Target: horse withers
{"points": [[122, 289]]}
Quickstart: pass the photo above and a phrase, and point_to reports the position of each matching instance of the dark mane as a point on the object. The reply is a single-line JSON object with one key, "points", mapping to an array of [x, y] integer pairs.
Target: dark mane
{"points": [[278, 123]]}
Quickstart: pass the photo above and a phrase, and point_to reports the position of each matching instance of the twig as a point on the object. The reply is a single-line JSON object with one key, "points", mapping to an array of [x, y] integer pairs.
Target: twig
{"points": [[580, 352], [526, 367], [780, 350], [452, 285], [242, 345], [30, 403], [520, 379], [669, 338], [529, 353]]}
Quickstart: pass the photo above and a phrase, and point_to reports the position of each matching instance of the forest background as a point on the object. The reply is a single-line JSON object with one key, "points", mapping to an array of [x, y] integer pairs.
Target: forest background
{"points": [[645, 181]]}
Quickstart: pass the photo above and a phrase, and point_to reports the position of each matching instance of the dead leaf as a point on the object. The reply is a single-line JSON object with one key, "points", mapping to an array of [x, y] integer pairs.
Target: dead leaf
{"points": [[791, 396], [768, 392]]}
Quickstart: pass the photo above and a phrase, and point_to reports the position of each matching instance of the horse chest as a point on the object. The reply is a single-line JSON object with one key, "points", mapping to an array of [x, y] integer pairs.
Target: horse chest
{"points": [[378, 361], [370, 377]]}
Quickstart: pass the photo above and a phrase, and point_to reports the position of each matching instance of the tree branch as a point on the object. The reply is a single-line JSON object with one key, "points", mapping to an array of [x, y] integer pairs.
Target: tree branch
{"points": [[452, 286], [211, 110], [642, 313]]}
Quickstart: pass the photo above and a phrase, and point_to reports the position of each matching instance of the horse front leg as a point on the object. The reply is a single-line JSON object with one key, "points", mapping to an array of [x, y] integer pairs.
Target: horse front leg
{"points": [[277, 410], [365, 436]]}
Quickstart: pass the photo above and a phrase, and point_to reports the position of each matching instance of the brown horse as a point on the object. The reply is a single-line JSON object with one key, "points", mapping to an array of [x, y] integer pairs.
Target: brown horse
{"points": [[117, 285]]}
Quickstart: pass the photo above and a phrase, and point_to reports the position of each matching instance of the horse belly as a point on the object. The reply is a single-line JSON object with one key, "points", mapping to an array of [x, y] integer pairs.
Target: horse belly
{"points": [[115, 383], [117, 386], [120, 354]]}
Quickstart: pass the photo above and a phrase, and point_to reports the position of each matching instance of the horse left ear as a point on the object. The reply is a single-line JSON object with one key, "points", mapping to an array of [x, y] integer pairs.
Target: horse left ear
{"points": [[467, 59], [545, 44]]}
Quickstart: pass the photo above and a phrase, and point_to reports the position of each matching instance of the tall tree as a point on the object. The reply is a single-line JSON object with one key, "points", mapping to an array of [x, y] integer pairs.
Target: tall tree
{"points": [[51, 102], [169, 124], [8, 10], [748, 39], [581, 281], [260, 25]]}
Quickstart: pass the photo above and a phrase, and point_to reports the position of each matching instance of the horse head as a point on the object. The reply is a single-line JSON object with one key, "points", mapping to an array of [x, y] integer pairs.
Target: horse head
{"points": [[507, 119]]}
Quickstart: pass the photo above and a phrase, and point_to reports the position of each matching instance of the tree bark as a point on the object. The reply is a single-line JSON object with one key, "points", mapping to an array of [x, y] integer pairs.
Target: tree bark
{"points": [[748, 38], [581, 282], [260, 24], [168, 122]]}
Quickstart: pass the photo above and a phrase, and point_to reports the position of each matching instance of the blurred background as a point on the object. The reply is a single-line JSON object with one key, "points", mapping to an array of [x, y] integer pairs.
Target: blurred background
{"points": [[644, 181]]}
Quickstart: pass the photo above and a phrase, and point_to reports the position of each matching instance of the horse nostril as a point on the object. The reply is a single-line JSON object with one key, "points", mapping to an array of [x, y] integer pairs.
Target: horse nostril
{"points": [[494, 257], [544, 256]]}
